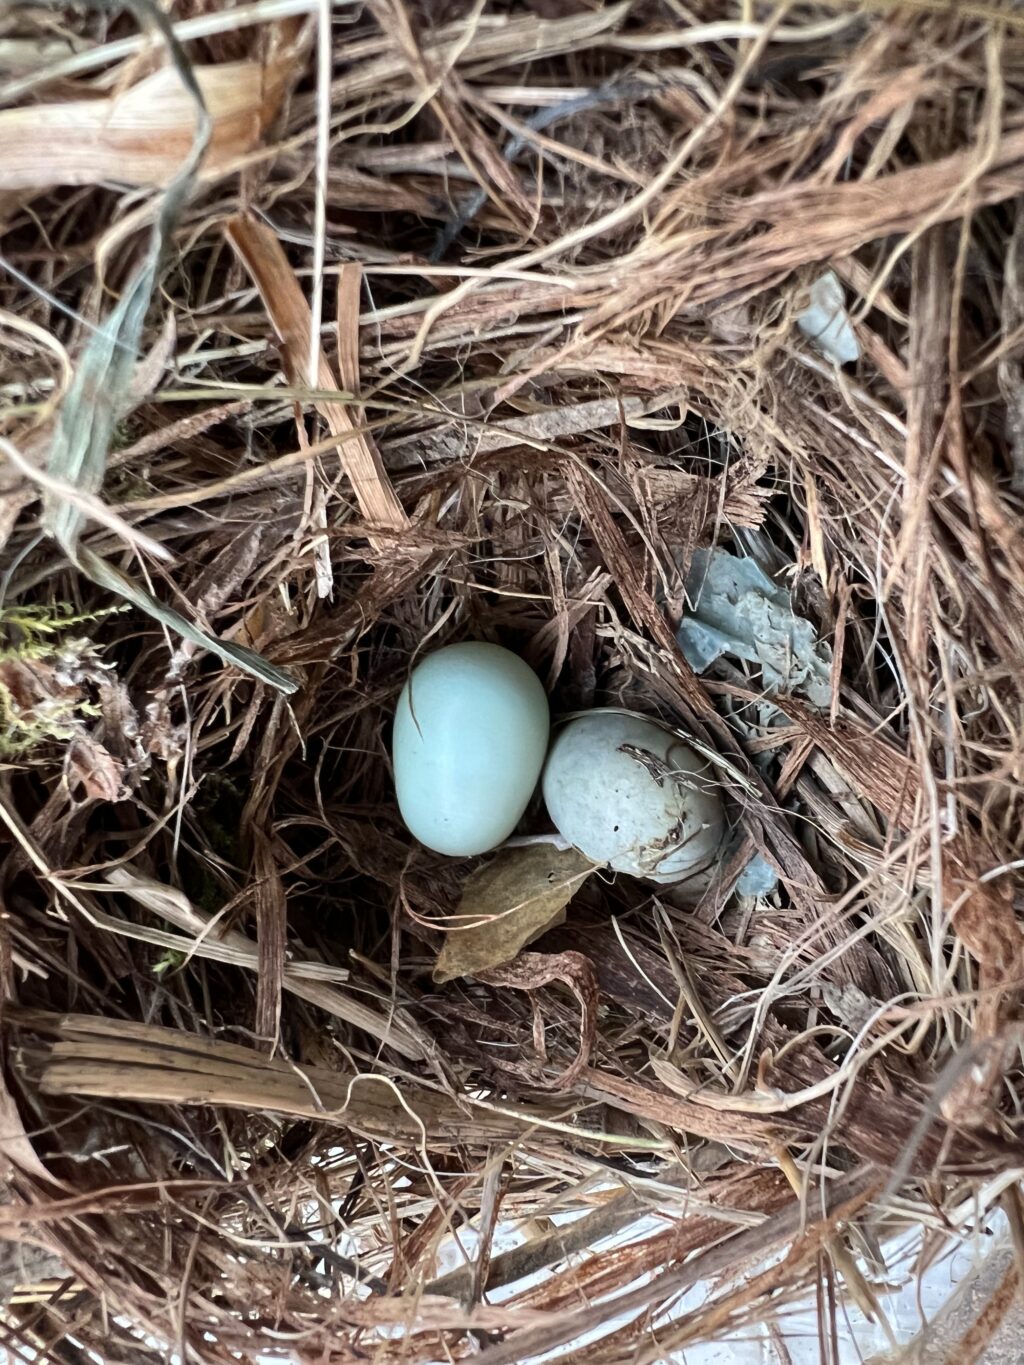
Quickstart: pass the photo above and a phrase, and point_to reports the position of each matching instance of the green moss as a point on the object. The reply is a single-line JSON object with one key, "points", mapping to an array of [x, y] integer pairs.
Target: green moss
{"points": [[44, 672], [171, 961], [34, 622]]}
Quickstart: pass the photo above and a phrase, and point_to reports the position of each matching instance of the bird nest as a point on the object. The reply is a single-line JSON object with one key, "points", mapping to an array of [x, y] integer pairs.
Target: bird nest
{"points": [[332, 333]]}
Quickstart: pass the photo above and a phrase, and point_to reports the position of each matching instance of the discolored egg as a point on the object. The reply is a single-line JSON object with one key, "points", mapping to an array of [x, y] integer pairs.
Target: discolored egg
{"points": [[471, 732], [631, 795]]}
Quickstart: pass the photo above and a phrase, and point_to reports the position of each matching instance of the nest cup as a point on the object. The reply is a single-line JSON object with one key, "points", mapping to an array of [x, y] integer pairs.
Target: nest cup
{"points": [[557, 263]]}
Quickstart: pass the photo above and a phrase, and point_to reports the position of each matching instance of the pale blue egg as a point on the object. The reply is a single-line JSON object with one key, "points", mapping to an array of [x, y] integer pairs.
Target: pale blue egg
{"points": [[471, 733]]}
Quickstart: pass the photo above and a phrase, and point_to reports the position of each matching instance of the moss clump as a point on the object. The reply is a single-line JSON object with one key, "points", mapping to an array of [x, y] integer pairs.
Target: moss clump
{"points": [[47, 675]]}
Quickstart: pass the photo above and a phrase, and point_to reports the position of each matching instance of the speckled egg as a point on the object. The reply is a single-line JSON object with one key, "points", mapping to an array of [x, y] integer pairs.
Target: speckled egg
{"points": [[632, 796]]}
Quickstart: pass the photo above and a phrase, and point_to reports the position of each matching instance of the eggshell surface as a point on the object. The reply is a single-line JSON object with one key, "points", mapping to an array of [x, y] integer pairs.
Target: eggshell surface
{"points": [[630, 794], [471, 732]]}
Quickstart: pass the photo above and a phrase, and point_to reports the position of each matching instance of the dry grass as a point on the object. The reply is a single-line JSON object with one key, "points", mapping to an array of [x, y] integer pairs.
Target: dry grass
{"points": [[552, 254]]}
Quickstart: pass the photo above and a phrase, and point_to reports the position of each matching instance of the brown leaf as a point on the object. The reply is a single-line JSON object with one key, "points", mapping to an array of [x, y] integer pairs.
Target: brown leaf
{"points": [[512, 900], [88, 765]]}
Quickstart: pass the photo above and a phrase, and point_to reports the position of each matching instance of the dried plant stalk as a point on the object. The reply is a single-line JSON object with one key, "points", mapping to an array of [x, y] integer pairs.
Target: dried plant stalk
{"points": [[266, 262]]}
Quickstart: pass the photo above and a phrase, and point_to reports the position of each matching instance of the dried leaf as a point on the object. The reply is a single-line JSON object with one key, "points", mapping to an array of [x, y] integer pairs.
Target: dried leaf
{"points": [[513, 899], [142, 136], [87, 764]]}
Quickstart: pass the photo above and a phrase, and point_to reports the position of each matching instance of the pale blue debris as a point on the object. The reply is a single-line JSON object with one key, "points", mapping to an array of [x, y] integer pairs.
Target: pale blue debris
{"points": [[758, 878], [826, 323], [736, 609]]}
